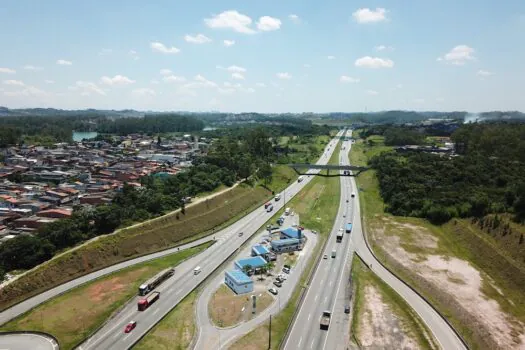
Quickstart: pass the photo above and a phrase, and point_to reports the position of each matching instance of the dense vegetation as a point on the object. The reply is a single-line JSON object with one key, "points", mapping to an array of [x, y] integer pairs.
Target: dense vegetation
{"points": [[488, 176], [150, 124], [229, 160]]}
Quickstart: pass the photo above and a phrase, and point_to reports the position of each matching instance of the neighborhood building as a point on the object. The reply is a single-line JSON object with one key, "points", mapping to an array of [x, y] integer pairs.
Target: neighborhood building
{"points": [[238, 281]]}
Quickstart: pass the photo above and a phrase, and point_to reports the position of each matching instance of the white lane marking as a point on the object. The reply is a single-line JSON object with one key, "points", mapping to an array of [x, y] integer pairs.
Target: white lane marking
{"points": [[331, 282], [126, 337], [316, 297], [155, 312], [300, 340], [325, 299], [309, 315], [312, 345]]}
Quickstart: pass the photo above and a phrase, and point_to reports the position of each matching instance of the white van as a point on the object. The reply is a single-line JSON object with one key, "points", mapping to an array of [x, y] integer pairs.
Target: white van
{"points": [[333, 253], [287, 211], [197, 270], [300, 178]]}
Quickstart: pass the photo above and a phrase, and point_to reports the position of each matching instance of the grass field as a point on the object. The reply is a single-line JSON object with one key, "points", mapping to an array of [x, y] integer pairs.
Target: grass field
{"points": [[478, 255], [403, 326], [175, 331], [73, 316], [317, 206]]}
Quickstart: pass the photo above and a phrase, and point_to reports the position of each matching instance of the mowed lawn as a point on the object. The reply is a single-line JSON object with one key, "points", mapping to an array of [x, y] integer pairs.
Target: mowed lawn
{"points": [[317, 206], [74, 315]]}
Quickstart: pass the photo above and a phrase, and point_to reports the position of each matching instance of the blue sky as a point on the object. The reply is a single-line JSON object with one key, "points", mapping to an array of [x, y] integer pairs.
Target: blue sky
{"points": [[271, 56]]}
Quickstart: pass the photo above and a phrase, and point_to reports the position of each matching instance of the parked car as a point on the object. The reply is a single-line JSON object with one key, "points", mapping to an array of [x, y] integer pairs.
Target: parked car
{"points": [[279, 279], [347, 309], [278, 284], [273, 291], [283, 277], [130, 326], [325, 256], [286, 270]]}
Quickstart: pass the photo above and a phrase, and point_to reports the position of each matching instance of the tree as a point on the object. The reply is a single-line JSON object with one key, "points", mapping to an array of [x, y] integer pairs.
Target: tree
{"points": [[247, 269], [265, 172]]}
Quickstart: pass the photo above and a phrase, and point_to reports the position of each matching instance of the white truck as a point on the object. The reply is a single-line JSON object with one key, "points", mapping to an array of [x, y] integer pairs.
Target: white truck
{"points": [[300, 178]]}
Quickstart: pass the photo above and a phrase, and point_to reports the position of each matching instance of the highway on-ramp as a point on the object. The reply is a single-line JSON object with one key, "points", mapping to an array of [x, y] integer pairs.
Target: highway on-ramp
{"points": [[172, 291]]}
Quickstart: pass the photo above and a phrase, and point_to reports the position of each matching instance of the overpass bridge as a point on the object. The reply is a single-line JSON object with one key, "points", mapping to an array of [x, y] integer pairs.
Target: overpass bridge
{"points": [[352, 170]]}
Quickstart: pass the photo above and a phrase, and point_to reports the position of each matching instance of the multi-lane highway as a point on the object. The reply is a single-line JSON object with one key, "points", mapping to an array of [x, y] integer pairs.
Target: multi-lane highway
{"points": [[112, 336], [328, 288]]}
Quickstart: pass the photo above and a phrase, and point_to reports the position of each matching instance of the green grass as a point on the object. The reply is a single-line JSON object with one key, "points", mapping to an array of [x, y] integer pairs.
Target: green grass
{"points": [[413, 327], [74, 315], [175, 331], [317, 206], [458, 238]]}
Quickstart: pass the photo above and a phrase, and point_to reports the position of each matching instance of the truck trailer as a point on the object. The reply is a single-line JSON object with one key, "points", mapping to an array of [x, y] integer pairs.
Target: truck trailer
{"points": [[146, 302], [339, 237], [325, 320], [153, 282]]}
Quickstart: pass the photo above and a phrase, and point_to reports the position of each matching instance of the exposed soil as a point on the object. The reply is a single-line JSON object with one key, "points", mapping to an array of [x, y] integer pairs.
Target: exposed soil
{"points": [[461, 283], [379, 326]]}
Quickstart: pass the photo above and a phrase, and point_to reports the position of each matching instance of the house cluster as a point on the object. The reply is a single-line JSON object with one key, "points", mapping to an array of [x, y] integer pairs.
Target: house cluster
{"points": [[39, 185], [239, 279]]}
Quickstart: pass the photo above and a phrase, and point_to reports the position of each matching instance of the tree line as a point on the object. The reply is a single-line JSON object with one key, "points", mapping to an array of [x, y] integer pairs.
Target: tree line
{"points": [[488, 176]]}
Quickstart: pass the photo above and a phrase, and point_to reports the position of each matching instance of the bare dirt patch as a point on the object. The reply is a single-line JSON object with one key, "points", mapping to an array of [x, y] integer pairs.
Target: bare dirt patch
{"points": [[380, 328], [462, 283]]}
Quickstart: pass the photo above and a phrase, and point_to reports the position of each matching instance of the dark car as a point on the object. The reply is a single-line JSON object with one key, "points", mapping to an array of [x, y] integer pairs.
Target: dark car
{"points": [[130, 326], [347, 309], [273, 291], [241, 233], [278, 284]]}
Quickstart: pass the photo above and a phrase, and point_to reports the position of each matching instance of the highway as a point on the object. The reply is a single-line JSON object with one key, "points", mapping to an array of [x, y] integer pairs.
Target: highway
{"points": [[328, 290], [112, 336], [32, 302]]}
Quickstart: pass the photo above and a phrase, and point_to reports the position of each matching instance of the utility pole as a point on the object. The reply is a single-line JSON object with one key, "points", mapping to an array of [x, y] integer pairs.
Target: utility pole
{"points": [[270, 334]]}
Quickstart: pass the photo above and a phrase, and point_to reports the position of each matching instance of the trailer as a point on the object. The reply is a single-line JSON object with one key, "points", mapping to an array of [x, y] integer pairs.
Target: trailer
{"points": [[153, 282], [146, 302], [339, 237], [325, 320]]}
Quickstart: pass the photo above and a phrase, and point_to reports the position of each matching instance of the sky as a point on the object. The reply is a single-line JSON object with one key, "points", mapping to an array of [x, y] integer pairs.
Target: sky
{"points": [[263, 56]]}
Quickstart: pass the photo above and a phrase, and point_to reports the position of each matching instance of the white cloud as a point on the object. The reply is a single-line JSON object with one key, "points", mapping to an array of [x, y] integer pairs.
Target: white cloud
{"points": [[173, 79], [32, 68], [160, 47], [267, 23], [365, 15], [284, 76], [228, 43], [105, 52], [86, 88], [64, 62], [200, 81], [374, 62], [14, 82], [231, 20], [197, 39], [372, 92], [347, 79], [399, 86], [133, 54], [143, 92], [116, 80], [27, 91], [226, 91], [260, 85], [440, 99], [331, 57], [384, 48], [459, 55], [165, 71], [306, 65], [7, 70], [48, 81], [154, 82], [419, 100], [249, 90], [238, 76], [233, 69], [484, 73], [294, 18]]}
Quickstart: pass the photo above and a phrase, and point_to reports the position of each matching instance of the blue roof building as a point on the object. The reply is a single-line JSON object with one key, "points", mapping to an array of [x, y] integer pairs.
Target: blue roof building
{"points": [[291, 232], [259, 250], [255, 262], [286, 245], [238, 281]]}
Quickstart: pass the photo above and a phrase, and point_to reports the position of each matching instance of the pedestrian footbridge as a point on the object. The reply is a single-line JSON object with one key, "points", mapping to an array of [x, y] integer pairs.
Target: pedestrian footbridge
{"points": [[337, 170]]}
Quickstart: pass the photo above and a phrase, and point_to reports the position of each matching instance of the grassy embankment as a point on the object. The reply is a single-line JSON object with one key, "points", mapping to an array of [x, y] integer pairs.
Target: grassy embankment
{"points": [[162, 336], [317, 206], [498, 261], [73, 316], [404, 317]]}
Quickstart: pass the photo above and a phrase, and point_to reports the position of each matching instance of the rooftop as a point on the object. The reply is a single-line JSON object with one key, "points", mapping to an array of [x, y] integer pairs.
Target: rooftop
{"points": [[239, 277], [254, 262], [259, 249], [284, 242], [291, 232]]}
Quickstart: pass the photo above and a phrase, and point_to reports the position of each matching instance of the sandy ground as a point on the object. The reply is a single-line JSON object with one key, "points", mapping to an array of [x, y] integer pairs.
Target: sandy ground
{"points": [[379, 327], [460, 281]]}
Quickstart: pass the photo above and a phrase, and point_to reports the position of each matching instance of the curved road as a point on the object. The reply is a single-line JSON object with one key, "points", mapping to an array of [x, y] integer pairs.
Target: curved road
{"points": [[111, 335], [28, 304], [25, 341], [306, 332]]}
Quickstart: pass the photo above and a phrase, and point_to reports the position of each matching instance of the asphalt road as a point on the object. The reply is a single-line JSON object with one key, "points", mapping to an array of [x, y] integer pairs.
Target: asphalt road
{"points": [[25, 341], [328, 289], [30, 303], [212, 337], [112, 336]]}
